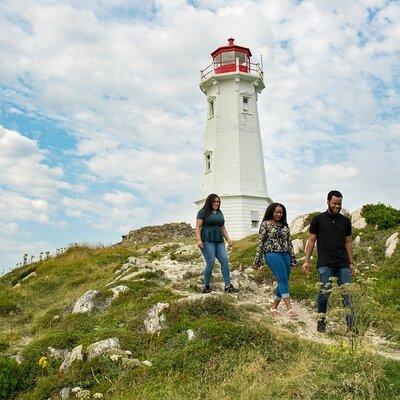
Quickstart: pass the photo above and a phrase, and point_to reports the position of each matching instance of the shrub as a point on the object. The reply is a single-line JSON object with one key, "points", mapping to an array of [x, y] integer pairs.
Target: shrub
{"points": [[383, 216], [10, 377]]}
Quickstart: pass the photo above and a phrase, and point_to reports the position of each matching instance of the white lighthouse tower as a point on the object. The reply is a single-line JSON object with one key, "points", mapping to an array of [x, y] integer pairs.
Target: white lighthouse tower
{"points": [[233, 156]]}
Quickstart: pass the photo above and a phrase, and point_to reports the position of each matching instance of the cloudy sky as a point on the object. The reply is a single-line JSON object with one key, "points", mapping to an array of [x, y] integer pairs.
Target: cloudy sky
{"points": [[102, 120]]}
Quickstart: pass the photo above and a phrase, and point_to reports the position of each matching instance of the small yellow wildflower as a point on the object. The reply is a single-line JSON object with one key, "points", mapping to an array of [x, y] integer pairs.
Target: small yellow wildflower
{"points": [[43, 362]]}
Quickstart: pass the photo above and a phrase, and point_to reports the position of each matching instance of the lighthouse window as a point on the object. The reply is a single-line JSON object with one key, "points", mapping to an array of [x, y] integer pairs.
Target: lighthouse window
{"points": [[254, 219], [246, 104], [208, 162], [211, 108]]}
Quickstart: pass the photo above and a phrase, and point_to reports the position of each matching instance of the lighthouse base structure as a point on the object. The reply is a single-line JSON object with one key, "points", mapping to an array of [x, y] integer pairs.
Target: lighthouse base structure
{"points": [[243, 214]]}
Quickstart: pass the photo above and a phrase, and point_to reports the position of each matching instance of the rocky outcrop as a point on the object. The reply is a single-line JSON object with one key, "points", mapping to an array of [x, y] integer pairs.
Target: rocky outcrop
{"points": [[357, 221], [75, 355], [98, 348], [172, 232], [155, 320], [391, 244], [298, 224], [298, 246], [85, 303]]}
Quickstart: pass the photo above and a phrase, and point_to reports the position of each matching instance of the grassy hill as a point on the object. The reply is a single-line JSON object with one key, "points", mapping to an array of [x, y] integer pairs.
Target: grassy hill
{"points": [[238, 352]]}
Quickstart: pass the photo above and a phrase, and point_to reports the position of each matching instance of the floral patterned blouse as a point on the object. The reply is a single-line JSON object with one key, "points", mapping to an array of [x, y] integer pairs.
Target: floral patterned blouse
{"points": [[274, 238]]}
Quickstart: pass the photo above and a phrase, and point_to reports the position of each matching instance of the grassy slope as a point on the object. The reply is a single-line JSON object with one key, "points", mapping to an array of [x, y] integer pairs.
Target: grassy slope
{"points": [[233, 357]]}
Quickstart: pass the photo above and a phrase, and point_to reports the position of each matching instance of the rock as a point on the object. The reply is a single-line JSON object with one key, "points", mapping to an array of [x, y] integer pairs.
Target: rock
{"points": [[98, 348], [298, 224], [65, 392], [31, 275], [137, 261], [174, 231], [17, 285], [85, 303], [188, 250], [155, 320], [57, 354], [298, 246], [191, 334], [147, 363], [391, 244], [118, 289], [75, 354], [357, 240], [357, 221]]}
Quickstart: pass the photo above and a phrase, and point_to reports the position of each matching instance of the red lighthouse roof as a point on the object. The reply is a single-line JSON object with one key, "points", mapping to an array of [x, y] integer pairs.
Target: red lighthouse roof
{"points": [[231, 47]]}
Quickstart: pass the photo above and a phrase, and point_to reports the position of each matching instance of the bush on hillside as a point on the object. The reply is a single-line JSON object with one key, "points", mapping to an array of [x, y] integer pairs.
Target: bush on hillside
{"points": [[10, 377], [383, 216]]}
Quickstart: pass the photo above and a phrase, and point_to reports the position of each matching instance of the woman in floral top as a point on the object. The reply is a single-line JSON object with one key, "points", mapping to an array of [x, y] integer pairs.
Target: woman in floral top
{"points": [[276, 248]]}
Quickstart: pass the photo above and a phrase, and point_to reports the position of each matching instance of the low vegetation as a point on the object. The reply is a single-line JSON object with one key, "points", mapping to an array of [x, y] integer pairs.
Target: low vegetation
{"points": [[233, 355]]}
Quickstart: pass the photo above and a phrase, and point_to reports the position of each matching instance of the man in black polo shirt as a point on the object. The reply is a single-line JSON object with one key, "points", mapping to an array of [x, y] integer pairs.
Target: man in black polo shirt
{"points": [[332, 231]]}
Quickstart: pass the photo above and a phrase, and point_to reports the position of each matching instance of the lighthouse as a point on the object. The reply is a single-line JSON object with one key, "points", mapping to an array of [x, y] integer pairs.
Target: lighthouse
{"points": [[233, 165]]}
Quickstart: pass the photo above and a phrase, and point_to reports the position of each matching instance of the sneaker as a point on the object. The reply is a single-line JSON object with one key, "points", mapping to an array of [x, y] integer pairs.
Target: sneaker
{"points": [[231, 289], [207, 289], [321, 326]]}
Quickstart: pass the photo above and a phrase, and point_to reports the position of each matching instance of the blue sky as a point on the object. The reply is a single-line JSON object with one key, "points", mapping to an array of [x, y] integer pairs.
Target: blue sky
{"points": [[102, 120]]}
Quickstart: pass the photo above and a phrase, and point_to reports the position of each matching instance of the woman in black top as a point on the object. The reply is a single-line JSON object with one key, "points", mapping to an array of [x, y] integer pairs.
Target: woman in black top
{"points": [[210, 234]]}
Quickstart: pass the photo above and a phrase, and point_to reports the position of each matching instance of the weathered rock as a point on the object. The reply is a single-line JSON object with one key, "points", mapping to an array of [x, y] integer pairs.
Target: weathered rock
{"points": [[188, 250], [174, 231], [31, 275], [85, 303], [75, 355], [191, 334], [155, 320], [357, 221], [57, 354], [137, 261], [98, 348], [17, 285], [298, 224], [357, 240], [65, 393], [298, 246], [147, 363], [391, 244], [117, 290]]}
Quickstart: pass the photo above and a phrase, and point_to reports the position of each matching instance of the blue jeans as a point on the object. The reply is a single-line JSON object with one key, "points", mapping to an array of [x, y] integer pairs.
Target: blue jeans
{"points": [[212, 250], [280, 265], [343, 275]]}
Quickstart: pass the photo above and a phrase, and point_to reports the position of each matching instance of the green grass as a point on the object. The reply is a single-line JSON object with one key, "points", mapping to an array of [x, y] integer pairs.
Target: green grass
{"points": [[232, 357]]}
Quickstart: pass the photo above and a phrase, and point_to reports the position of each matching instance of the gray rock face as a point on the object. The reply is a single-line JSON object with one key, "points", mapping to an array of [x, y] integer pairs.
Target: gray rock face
{"points": [[357, 221], [75, 354], [391, 244], [155, 320], [65, 393], [357, 240], [85, 303], [298, 224], [57, 354], [298, 246], [98, 348], [188, 250]]}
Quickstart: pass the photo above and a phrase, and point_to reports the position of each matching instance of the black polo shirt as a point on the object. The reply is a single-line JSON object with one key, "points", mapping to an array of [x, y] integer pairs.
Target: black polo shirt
{"points": [[331, 231]]}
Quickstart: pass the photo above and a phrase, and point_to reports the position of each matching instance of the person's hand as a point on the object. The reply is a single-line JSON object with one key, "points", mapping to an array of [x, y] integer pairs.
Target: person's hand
{"points": [[352, 268], [230, 243], [305, 269], [199, 244]]}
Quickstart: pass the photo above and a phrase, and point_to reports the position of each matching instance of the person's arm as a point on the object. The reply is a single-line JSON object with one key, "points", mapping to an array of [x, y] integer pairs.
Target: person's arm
{"points": [[291, 250], [309, 249], [349, 250], [199, 224], [226, 236], [263, 234]]}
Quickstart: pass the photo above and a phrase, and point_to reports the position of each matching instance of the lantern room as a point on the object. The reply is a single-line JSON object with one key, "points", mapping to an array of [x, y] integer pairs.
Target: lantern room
{"points": [[231, 58]]}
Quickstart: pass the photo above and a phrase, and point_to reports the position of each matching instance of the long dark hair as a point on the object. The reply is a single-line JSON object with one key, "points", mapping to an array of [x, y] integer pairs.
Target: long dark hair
{"points": [[208, 204], [269, 213]]}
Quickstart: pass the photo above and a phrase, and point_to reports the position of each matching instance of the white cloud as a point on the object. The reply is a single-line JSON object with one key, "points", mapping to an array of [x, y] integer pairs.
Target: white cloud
{"points": [[122, 77]]}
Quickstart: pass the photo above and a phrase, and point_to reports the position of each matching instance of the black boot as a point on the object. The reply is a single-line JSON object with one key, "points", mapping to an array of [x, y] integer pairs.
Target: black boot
{"points": [[207, 289]]}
